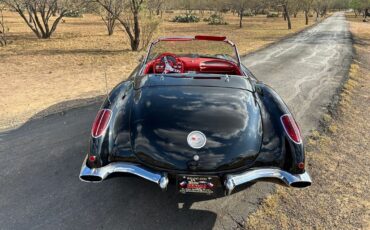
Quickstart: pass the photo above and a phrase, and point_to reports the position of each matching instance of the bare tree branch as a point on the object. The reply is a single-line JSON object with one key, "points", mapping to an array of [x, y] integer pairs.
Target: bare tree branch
{"points": [[40, 12]]}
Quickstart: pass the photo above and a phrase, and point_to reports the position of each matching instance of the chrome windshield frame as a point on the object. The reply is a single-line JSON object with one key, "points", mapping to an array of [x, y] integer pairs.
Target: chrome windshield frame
{"points": [[185, 38]]}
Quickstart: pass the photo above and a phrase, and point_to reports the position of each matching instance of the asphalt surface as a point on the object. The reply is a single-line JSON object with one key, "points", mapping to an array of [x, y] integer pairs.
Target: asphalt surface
{"points": [[40, 161]]}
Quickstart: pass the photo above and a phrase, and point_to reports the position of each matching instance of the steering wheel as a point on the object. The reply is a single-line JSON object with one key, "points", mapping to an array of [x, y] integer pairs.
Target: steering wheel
{"points": [[168, 63]]}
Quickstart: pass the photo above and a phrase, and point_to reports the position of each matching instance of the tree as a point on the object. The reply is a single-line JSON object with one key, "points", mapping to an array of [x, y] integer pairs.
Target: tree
{"points": [[320, 7], [306, 6], [240, 6], [3, 28], [362, 6], [284, 4], [156, 5], [295, 7], [129, 19], [356, 6], [128, 16], [40, 14], [110, 22], [110, 16]]}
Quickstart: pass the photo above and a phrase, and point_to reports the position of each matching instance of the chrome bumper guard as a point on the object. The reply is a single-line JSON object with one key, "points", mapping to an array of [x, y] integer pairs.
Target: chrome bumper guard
{"points": [[293, 180], [99, 174]]}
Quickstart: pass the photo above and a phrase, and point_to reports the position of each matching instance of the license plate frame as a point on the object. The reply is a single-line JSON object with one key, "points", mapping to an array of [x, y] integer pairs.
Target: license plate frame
{"points": [[198, 184]]}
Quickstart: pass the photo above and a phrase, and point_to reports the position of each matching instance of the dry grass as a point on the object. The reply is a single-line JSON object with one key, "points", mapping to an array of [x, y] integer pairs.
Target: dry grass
{"points": [[338, 161], [36, 74]]}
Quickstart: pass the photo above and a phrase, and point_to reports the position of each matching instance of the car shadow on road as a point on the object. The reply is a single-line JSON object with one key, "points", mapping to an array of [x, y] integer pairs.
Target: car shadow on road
{"points": [[41, 160], [40, 163]]}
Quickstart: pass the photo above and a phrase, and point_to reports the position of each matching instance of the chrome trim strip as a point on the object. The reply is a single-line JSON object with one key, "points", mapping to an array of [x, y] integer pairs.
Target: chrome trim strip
{"points": [[293, 180], [122, 167]]}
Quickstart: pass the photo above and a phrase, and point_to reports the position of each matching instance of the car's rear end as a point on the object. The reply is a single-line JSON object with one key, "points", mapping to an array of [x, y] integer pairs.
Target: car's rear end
{"points": [[203, 133]]}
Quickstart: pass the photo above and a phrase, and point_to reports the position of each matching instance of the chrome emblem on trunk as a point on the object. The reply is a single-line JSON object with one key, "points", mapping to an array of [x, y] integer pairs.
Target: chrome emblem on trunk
{"points": [[197, 139]]}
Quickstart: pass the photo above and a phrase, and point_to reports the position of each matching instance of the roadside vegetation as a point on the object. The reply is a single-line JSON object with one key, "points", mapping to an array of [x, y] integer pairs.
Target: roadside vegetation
{"points": [[338, 160]]}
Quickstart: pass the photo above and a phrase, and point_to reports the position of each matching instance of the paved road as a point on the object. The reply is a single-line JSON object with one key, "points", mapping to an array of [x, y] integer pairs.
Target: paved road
{"points": [[307, 69], [40, 161]]}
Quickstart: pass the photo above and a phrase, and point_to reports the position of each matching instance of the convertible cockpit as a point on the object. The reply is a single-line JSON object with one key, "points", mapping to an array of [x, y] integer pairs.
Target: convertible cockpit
{"points": [[204, 54]]}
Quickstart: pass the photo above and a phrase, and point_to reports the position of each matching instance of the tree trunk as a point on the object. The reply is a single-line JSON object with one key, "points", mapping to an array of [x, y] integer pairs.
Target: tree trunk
{"points": [[286, 13], [323, 13], [306, 16], [241, 19], [111, 25], [136, 41], [3, 28]]}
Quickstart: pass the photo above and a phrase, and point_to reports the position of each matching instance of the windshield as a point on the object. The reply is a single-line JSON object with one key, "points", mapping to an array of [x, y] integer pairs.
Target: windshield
{"points": [[194, 49]]}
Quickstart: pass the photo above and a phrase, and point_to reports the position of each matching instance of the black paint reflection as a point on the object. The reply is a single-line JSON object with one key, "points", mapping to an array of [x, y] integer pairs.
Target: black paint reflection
{"points": [[162, 117]]}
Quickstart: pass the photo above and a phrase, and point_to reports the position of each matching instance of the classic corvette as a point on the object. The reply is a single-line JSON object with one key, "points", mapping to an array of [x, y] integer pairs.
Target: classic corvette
{"points": [[191, 115]]}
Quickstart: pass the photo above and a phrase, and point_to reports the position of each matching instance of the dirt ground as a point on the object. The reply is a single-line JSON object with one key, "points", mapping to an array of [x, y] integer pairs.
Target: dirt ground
{"points": [[338, 160], [37, 74]]}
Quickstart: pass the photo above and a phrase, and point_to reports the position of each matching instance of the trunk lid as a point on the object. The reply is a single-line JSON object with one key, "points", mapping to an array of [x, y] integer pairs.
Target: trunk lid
{"points": [[163, 115]]}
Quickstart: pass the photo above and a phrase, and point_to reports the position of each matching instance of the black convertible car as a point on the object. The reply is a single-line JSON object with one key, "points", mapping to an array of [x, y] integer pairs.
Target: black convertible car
{"points": [[191, 115]]}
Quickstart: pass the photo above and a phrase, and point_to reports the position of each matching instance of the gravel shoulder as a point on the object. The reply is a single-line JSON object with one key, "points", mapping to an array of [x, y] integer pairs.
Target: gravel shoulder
{"points": [[338, 159]]}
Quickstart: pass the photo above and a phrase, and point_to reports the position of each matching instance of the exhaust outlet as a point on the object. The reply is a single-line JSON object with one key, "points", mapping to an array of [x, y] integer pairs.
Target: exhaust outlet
{"points": [[300, 184], [91, 178]]}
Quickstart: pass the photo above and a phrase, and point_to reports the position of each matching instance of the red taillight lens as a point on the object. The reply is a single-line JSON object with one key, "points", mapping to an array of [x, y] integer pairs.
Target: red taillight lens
{"points": [[92, 159], [300, 165], [291, 128], [101, 122]]}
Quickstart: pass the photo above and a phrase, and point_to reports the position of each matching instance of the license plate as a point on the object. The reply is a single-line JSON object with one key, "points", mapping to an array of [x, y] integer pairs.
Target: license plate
{"points": [[197, 184]]}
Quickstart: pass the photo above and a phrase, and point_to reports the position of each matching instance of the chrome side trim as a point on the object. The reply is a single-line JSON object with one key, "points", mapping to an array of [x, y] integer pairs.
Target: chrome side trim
{"points": [[293, 180], [96, 175]]}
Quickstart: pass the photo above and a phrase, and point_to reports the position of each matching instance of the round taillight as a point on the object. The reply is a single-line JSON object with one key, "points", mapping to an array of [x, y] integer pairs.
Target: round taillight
{"points": [[101, 122], [92, 159], [291, 128], [300, 165]]}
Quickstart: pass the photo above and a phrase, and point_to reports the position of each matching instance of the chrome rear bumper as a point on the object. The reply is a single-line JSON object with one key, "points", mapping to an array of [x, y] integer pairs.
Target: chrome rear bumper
{"points": [[294, 180], [231, 180], [99, 174]]}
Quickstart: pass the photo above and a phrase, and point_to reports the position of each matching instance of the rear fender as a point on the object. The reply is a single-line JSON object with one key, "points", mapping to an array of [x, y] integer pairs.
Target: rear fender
{"points": [[117, 102], [277, 148]]}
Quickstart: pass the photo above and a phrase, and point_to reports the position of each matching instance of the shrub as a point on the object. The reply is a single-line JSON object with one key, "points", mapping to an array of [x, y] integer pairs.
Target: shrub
{"points": [[73, 14], [272, 15], [215, 19], [187, 18], [148, 28], [248, 14]]}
